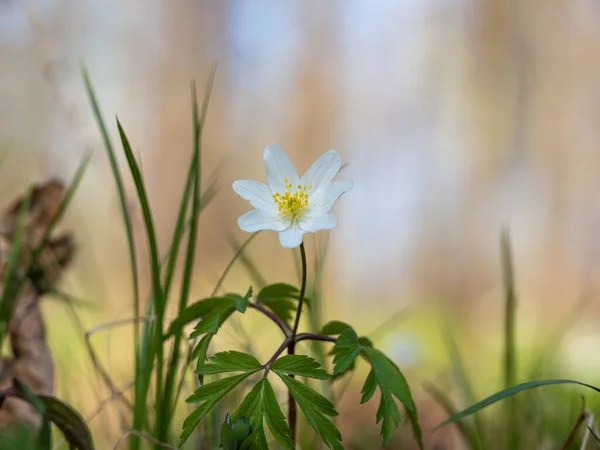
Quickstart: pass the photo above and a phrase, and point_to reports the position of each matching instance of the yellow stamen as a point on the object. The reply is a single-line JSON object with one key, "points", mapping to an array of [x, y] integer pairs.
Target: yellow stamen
{"points": [[292, 205]]}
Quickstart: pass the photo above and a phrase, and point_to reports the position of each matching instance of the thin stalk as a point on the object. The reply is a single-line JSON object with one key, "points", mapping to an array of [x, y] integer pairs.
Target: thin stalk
{"points": [[302, 290], [292, 410], [510, 337]]}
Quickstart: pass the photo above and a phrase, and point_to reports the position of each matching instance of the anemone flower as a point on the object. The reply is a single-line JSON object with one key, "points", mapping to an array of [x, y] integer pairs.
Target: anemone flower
{"points": [[291, 205]]}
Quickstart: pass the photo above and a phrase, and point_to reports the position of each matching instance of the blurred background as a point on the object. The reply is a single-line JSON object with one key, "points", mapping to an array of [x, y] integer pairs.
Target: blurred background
{"points": [[456, 118]]}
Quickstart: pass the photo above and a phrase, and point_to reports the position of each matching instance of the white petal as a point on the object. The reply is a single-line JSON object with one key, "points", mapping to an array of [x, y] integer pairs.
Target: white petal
{"points": [[324, 222], [291, 237], [262, 220], [258, 194], [322, 170], [279, 168], [323, 200]]}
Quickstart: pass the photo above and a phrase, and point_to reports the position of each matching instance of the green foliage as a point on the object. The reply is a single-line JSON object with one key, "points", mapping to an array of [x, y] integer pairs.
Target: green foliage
{"points": [[280, 302], [64, 416], [334, 327], [506, 393], [208, 396], [317, 410], [230, 361], [260, 406], [211, 312], [280, 298], [385, 375], [300, 365], [233, 434], [346, 350]]}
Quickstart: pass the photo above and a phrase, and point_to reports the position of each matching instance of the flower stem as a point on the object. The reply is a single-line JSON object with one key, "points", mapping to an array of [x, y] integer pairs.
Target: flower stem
{"points": [[292, 411], [302, 291]]}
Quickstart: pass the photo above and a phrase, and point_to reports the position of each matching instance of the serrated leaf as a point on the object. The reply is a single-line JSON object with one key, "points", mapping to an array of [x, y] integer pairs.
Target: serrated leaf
{"points": [[300, 365], [334, 327], [346, 350], [315, 408], [391, 382], [242, 302], [230, 361], [281, 299], [256, 441], [212, 321], [195, 311], [368, 389], [261, 405], [209, 395], [199, 353]]}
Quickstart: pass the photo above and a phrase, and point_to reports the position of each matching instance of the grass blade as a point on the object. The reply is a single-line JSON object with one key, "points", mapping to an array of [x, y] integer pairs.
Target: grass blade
{"points": [[158, 300], [140, 365], [461, 378], [12, 284], [188, 269], [512, 430], [506, 393], [445, 402]]}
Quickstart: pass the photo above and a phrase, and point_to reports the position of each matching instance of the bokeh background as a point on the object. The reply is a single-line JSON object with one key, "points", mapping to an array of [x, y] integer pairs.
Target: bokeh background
{"points": [[457, 118]]}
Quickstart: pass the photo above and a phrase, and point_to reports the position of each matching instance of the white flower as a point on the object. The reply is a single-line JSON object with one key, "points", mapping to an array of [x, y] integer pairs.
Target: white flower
{"points": [[290, 205]]}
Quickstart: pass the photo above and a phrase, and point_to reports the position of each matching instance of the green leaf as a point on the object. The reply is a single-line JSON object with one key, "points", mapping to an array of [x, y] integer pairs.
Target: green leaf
{"points": [[256, 441], [316, 409], [208, 396], [369, 388], [261, 405], [300, 365], [69, 421], [508, 393], [234, 434], [195, 311], [230, 361], [24, 393], [280, 298], [212, 321], [391, 384], [334, 327], [346, 350], [241, 303], [200, 353], [211, 312]]}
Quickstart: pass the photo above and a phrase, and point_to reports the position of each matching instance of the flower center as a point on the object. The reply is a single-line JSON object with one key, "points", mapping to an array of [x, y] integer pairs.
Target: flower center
{"points": [[292, 204]]}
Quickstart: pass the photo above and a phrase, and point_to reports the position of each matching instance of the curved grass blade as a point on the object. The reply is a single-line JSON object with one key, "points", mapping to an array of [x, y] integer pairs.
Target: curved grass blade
{"points": [[506, 393]]}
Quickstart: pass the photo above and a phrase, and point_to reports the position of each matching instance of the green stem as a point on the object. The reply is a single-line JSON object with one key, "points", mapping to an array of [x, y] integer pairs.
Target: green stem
{"points": [[292, 411]]}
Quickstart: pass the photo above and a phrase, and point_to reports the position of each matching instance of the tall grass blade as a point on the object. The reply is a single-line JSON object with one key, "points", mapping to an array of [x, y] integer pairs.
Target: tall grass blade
{"points": [[461, 378], [466, 431], [140, 367], [158, 300], [510, 357], [187, 276], [12, 282]]}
